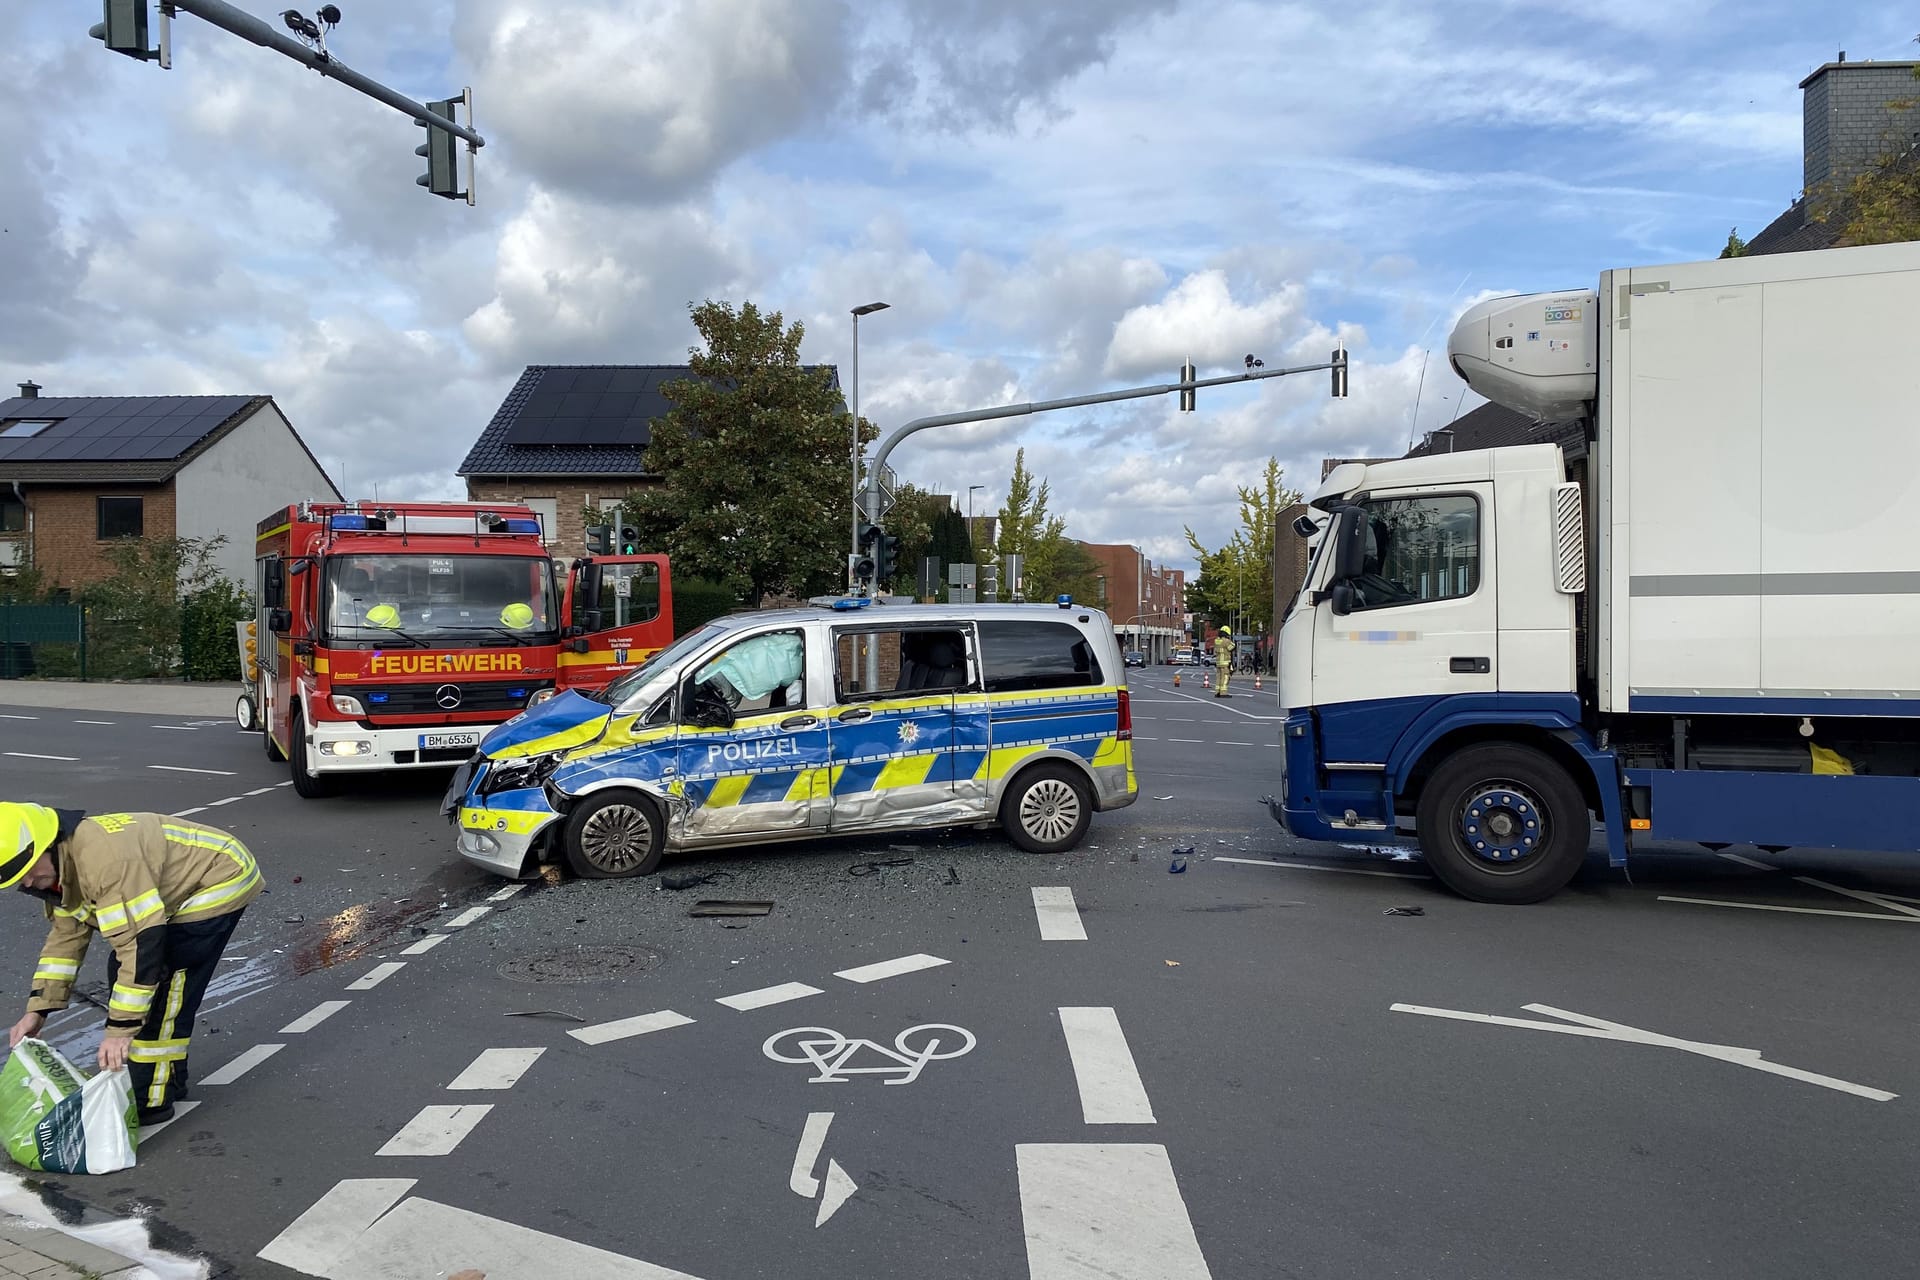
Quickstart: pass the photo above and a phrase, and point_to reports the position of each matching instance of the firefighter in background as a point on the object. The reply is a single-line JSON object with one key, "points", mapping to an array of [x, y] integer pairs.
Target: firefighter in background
{"points": [[165, 893], [1222, 661]]}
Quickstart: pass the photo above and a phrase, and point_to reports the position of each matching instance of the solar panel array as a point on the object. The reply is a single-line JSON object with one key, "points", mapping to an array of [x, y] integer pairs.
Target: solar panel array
{"points": [[608, 406], [114, 428]]}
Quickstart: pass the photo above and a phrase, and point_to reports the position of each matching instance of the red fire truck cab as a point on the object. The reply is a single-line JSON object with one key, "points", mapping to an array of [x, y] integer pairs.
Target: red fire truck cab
{"points": [[394, 636]]}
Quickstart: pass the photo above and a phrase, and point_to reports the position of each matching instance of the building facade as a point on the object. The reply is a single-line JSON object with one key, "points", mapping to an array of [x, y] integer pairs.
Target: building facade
{"points": [[1148, 602]]}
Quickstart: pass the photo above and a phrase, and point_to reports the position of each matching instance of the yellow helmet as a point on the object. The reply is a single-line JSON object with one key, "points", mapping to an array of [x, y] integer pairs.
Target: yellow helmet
{"points": [[517, 616], [383, 615], [1226, 631], [26, 832]]}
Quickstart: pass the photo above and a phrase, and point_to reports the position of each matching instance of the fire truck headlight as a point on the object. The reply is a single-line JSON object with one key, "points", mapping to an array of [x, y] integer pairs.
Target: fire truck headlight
{"points": [[347, 747], [346, 705], [540, 696]]}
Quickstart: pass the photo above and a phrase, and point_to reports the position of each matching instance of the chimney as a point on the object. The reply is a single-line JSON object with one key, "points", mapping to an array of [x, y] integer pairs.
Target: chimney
{"points": [[1852, 114], [29, 390]]}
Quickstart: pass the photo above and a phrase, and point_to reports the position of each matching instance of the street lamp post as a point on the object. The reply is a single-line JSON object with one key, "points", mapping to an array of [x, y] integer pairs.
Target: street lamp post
{"points": [[866, 310]]}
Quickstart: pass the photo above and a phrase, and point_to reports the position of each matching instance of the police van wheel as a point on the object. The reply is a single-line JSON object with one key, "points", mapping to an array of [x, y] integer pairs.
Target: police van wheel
{"points": [[308, 785], [614, 835], [1048, 809]]}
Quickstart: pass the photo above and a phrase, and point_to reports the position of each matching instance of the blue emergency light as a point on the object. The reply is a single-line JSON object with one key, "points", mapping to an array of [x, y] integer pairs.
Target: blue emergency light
{"points": [[523, 526], [1064, 601], [344, 522], [378, 698], [857, 602]]}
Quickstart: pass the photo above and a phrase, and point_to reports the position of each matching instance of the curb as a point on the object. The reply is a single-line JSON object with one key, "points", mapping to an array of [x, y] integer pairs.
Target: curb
{"points": [[46, 1253]]}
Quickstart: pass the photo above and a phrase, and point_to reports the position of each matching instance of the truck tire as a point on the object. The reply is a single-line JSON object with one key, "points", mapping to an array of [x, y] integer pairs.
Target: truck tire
{"points": [[274, 753], [1047, 809], [310, 785], [613, 835], [1503, 823]]}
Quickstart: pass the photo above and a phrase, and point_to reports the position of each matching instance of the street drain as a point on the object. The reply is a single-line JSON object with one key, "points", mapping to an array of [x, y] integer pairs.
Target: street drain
{"points": [[580, 964]]}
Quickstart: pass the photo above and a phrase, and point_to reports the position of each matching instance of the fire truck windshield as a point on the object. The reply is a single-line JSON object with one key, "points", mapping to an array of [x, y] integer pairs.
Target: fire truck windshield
{"points": [[452, 600]]}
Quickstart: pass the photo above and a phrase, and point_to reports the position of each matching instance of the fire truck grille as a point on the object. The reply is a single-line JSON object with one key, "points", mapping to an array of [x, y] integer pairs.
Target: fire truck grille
{"points": [[434, 699]]}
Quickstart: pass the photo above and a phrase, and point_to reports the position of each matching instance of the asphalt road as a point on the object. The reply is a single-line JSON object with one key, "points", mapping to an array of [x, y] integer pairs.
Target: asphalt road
{"points": [[1246, 1069]]}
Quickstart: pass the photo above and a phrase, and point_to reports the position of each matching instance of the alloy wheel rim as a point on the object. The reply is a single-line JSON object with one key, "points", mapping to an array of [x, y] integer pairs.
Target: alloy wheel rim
{"points": [[616, 838], [1049, 810]]}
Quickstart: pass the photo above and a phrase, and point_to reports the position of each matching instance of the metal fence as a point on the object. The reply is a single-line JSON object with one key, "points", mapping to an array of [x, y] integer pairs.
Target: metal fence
{"points": [[42, 640]]}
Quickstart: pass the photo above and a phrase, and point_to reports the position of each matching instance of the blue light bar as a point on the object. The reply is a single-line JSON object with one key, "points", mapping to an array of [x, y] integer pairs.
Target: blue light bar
{"points": [[522, 526], [518, 693], [377, 698], [859, 603], [346, 522]]}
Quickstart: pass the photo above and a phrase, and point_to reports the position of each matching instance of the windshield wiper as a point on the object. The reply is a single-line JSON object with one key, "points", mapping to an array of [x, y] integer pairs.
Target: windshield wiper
{"points": [[518, 637], [388, 631]]}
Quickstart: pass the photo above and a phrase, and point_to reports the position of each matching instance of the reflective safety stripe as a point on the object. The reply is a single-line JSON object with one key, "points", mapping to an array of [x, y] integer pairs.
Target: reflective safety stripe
{"points": [[79, 913], [158, 1050], [228, 890], [120, 915], [130, 999], [57, 969], [163, 1069]]}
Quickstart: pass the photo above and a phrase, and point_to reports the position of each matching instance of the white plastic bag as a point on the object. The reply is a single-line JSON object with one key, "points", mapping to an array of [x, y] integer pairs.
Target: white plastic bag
{"points": [[53, 1117]]}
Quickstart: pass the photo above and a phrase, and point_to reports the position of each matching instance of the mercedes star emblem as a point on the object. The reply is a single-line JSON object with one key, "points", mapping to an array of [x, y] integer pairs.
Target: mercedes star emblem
{"points": [[448, 696]]}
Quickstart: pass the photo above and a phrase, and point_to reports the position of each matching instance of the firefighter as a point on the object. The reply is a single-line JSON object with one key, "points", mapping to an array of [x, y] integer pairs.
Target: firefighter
{"points": [[1222, 661], [167, 895]]}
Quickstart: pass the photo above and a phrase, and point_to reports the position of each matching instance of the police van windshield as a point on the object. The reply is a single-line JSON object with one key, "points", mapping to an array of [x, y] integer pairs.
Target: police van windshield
{"points": [[661, 661], [452, 601]]}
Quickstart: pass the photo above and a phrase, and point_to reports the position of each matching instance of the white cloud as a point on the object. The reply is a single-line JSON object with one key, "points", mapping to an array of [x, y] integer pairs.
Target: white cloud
{"points": [[1199, 318]]}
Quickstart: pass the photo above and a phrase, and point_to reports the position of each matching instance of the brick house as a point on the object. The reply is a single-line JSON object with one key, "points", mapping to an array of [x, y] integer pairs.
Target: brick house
{"points": [[1148, 602], [569, 439], [77, 472]]}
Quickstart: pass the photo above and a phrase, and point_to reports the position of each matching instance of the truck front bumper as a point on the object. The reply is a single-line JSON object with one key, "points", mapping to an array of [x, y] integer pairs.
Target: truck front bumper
{"points": [[337, 746]]}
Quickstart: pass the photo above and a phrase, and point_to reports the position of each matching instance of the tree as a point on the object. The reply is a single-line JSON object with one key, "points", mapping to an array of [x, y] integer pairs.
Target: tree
{"points": [[912, 519], [753, 457], [1236, 580], [1736, 247], [138, 609], [1880, 205]]}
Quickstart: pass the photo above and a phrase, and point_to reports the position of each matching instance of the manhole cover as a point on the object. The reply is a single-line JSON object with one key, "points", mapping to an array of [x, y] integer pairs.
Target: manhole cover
{"points": [[580, 964]]}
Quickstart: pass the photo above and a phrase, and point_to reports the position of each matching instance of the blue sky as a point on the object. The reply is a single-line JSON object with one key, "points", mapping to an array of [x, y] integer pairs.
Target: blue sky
{"points": [[1055, 198]]}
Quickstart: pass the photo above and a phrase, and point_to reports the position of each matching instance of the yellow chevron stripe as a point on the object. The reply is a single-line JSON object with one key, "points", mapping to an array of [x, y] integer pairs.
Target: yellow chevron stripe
{"points": [[566, 739], [727, 791], [1112, 751], [1001, 760], [904, 771], [810, 785]]}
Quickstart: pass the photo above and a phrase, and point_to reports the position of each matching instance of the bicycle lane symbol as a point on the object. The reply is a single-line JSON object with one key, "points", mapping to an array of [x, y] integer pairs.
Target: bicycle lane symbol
{"points": [[834, 1056]]}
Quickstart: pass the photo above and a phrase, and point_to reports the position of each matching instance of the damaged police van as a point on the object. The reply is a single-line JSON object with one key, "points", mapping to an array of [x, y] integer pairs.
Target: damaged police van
{"points": [[785, 724]]}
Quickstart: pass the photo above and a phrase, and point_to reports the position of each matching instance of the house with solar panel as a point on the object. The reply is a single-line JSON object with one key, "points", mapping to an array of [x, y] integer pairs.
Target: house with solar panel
{"points": [[77, 472], [570, 439]]}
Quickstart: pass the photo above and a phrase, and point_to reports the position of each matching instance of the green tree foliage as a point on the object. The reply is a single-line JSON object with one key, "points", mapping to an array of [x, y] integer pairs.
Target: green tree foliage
{"points": [[1236, 580], [915, 513], [138, 614], [753, 460], [1736, 247]]}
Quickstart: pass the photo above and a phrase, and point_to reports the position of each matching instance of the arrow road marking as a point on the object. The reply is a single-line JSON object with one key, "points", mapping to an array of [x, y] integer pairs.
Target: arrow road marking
{"points": [[840, 1187], [1601, 1029]]}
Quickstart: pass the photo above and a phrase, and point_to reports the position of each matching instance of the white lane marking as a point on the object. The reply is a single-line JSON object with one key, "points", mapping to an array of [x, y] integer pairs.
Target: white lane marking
{"points": [[505, 893], [1110, 1088], [768, 995], [377, 975], [437, 1130], [243, 1064], [4, 716], [467, 917], [890, 968], [1601, 1029], [319, 1014], [1877, 899], [1314, 866], [425, 1238], [1189, 741], [320, 1237], [1235, 710], [496, 1069], [1059, 917], [93, 722], [1218, 743], [425, 945], [34, 755], [1106, 1210], [840, 1189], [1141, 738], [215, 804], [181, 768], [1798, 911], [146, 1131], [182, 813], [184, 727], [287, 783], [1748, 862], [261, 791], [812, 1138], [602, 1033]]}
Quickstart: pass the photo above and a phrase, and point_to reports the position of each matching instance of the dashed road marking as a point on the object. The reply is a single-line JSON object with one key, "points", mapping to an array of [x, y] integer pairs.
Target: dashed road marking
{"points": [[1314, 866], [4, 716], [319, 1014], [181, 768], [185, 728], [1110, 1210], [890, 968], [1190, 741], [320, 1237], [261, 791], [503, 894], [1058, 915], [34, 755], [93, 722], [184, 813], [624, 1028], [1111, 1091], [436, 1131], [467, 917], [243, 1064], [425, 944], [377, 975], [768, 995], [497, 1069]]}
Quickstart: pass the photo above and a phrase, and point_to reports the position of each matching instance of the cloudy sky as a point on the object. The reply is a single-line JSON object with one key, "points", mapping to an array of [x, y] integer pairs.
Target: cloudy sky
{"points": [[1056, 196]]}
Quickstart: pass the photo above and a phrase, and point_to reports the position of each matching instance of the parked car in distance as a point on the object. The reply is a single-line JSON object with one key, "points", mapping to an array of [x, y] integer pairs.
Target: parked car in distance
{"points": [[1134, 658], [1184, 658]]}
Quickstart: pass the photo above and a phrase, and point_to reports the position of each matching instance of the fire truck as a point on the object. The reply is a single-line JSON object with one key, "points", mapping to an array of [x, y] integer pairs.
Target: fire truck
{"points": [[394, 636]]}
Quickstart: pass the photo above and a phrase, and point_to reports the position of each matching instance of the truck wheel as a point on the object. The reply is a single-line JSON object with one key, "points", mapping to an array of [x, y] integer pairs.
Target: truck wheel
{"points": [[244, 714], [614, 835], [1047, 809], [311, 786], [1503, 823], [273, 748]]}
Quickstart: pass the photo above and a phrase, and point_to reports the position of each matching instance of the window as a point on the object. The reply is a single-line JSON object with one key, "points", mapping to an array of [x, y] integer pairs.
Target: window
{"points": [[13, 515], [879, 664], [465, 599], [23, 428], [766, 672], [548, 509], [1036, 655], [1419, 550], [122, 517], [629, 594]]}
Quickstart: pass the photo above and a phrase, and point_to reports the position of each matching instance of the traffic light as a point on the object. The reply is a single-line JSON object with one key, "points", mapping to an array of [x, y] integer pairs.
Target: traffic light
{"points": [[1339, 372], [1187, 374], [626, 536], [886, 555], [862, 563], [125, 28], [442, 151], [600, 540]]}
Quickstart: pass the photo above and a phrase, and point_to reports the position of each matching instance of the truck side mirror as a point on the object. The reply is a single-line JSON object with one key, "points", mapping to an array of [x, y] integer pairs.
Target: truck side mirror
{"points": [[273, 583], [593, 620], [1340, 599], [280, 621], [1304, 526], [1350, 545]]}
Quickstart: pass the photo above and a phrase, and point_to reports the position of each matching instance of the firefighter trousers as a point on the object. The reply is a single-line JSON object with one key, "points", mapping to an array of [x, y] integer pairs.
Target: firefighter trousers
{"points": [[158, 1060]]}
